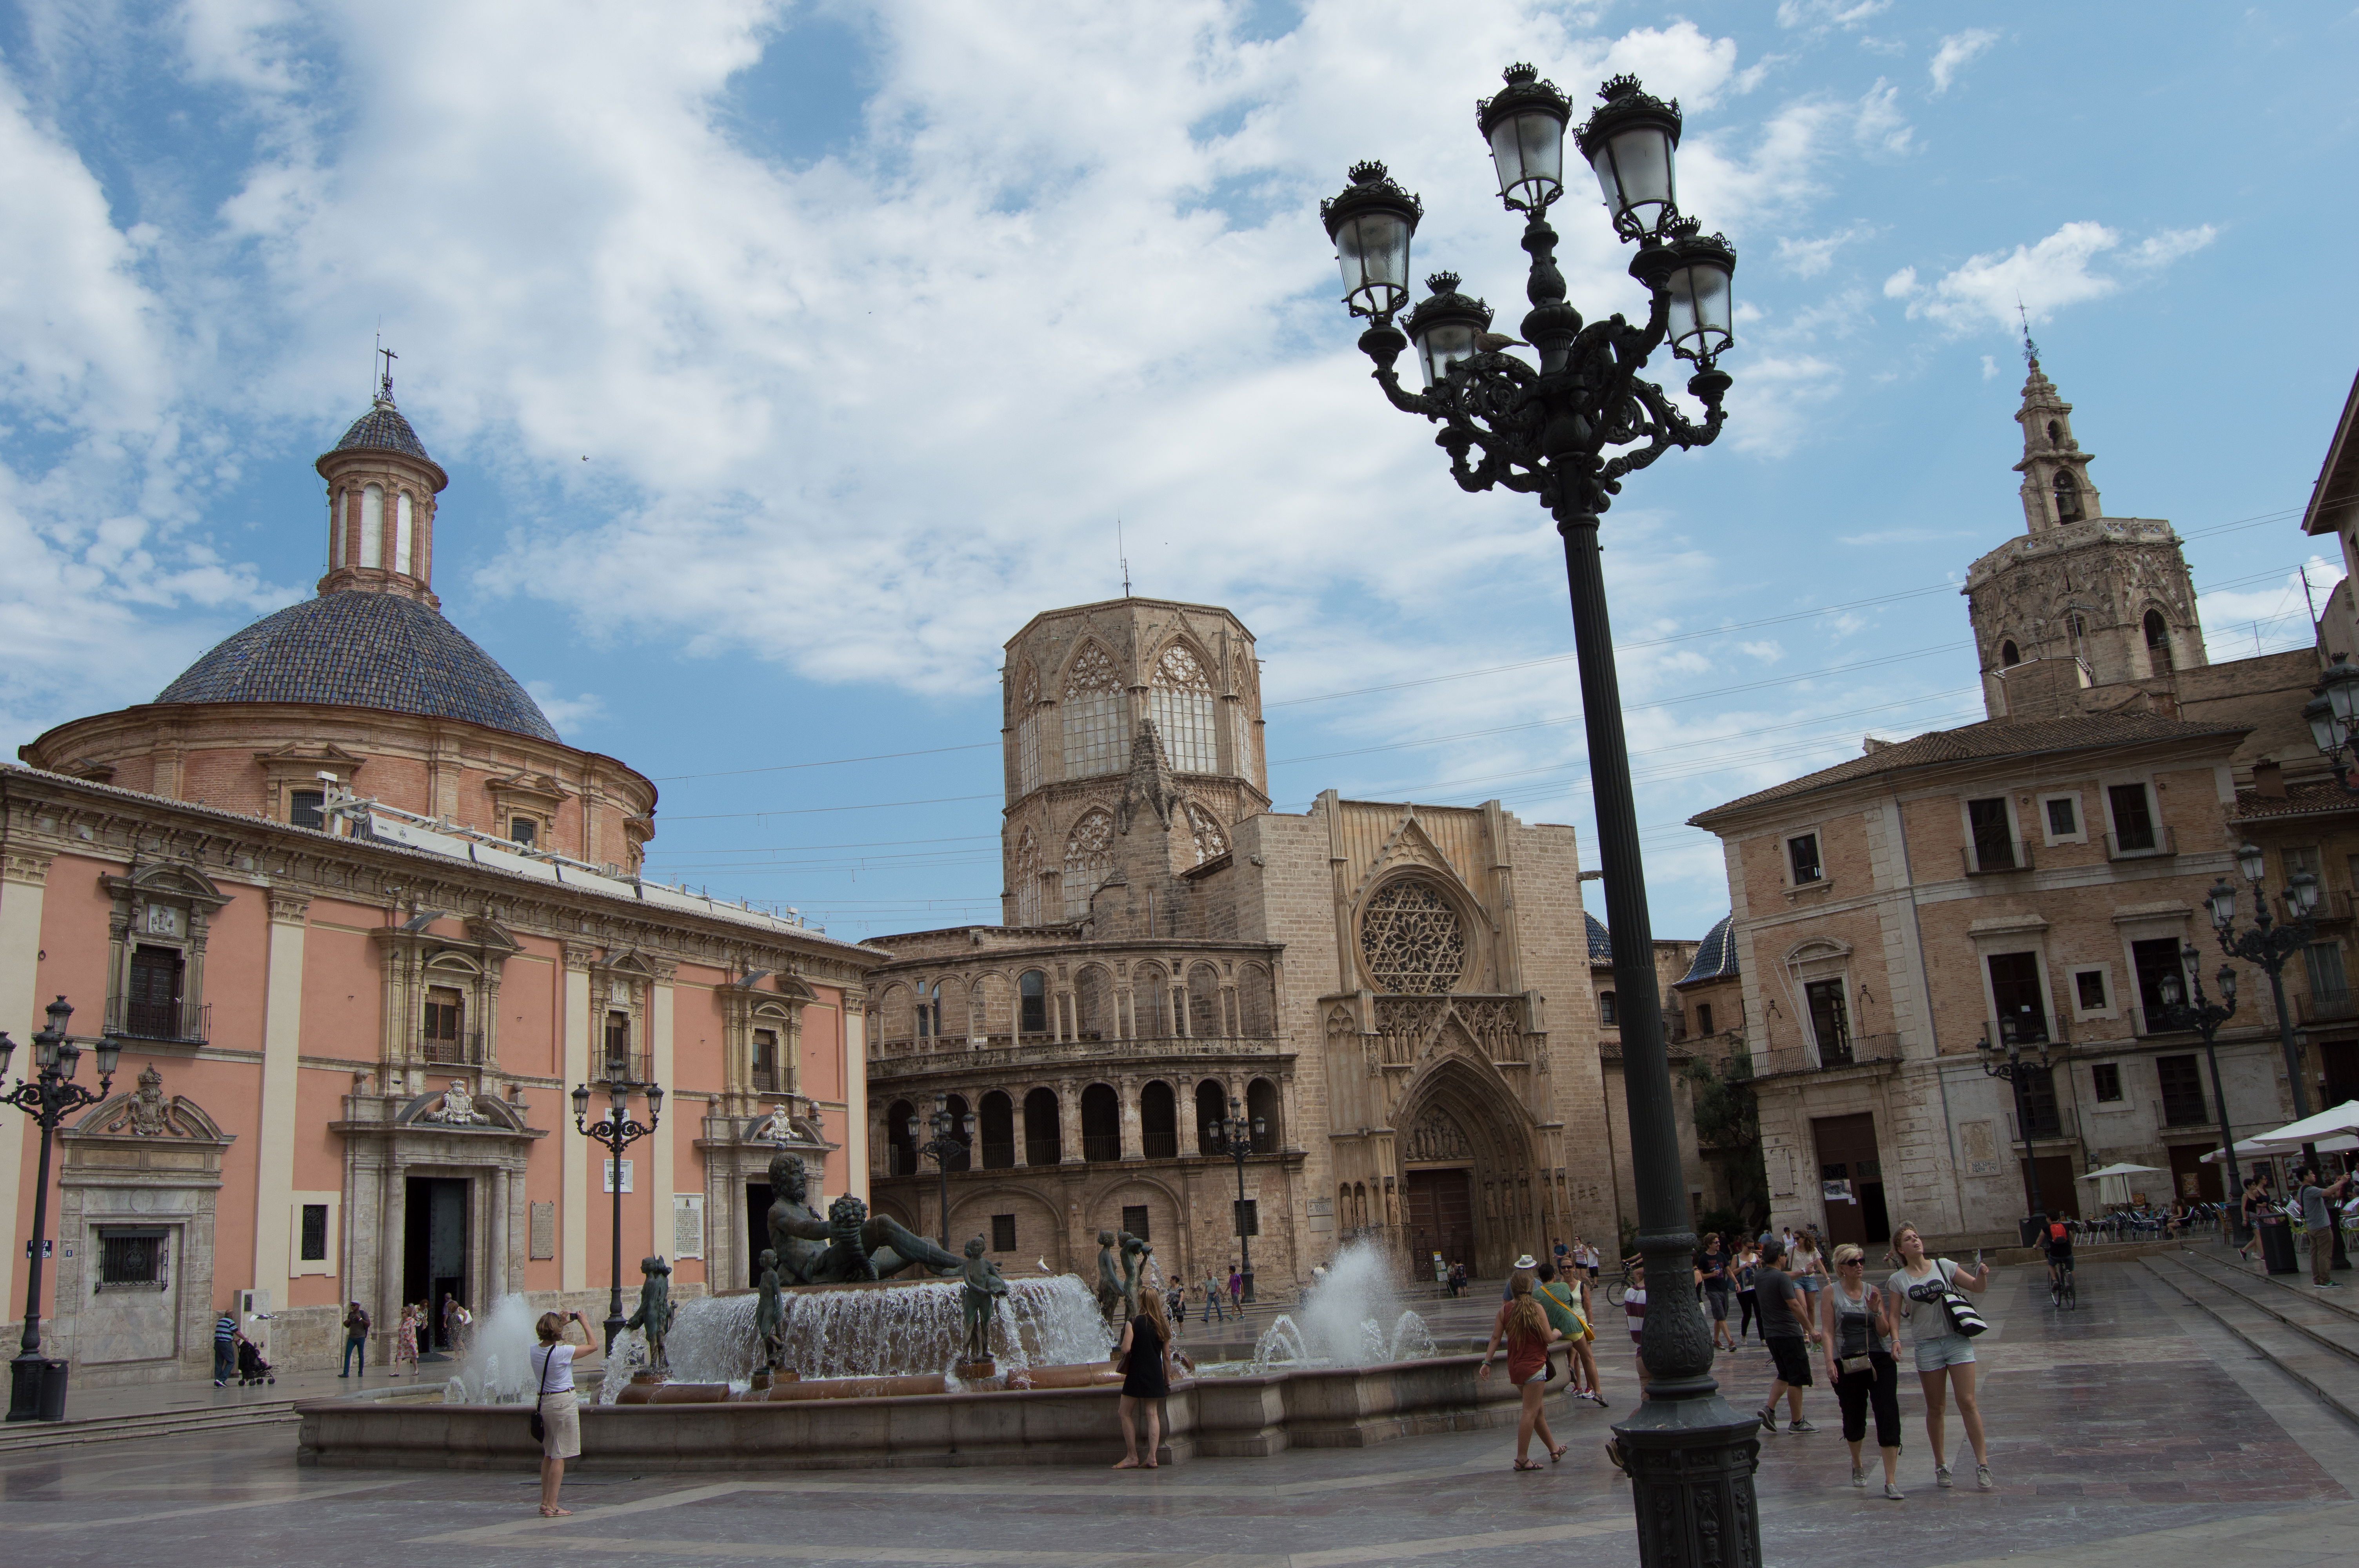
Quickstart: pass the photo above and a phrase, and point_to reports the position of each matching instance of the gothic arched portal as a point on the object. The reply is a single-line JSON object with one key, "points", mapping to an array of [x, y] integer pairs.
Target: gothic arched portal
{"points": [[1466, 1158]]}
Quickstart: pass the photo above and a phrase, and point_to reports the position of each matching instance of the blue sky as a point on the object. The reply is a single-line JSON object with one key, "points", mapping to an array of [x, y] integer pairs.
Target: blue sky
{"points": [[786, 358]]}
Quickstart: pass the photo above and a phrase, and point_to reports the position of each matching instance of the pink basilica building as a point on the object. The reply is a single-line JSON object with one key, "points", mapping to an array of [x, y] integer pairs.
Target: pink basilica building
{"points": [[360, 920]]}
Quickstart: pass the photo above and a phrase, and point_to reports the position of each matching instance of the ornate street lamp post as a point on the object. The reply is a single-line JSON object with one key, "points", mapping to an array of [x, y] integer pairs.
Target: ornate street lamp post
{"points": [[952, 1137], [2205, 1017], [1236, 1133], [48, 1099], [1543, 430], [2270, 944], [617, 1133], [2016, 1070]]}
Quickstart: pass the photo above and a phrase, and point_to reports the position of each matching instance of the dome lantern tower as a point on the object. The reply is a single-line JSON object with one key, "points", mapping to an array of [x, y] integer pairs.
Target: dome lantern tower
{"points": [[381, 490]]}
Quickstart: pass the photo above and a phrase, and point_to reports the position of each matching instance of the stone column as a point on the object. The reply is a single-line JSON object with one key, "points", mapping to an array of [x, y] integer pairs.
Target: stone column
{"points": [[1069, 1123], [1016, 1126], [575, 1189], [495, 1270], [282, 1043], [1133, 1131], [23, 879]]}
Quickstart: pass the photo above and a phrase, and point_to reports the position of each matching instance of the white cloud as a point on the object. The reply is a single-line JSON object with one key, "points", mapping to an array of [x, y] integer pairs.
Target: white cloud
{"points": [[1808, 258], [2241, 622], [1822, 13], [1990, 368], [1879, 122], [1956, 52], [565, 712], [2043, 277]]}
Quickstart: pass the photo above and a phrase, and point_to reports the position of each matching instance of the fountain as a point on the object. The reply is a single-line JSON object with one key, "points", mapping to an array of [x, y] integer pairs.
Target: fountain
{"points": [[1350, 1318]]}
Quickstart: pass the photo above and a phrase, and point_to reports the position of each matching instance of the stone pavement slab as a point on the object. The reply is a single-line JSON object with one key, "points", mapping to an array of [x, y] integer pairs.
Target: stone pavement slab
{"points": [[2128, 1433]]}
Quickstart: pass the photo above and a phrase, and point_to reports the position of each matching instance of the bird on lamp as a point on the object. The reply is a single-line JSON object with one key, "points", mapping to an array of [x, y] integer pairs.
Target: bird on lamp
{"points": [[1492, 342]]}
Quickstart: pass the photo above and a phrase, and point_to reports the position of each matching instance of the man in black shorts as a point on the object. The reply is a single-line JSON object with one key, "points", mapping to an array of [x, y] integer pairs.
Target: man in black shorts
{"points": [[2057, 1243], [1787, 1329]]}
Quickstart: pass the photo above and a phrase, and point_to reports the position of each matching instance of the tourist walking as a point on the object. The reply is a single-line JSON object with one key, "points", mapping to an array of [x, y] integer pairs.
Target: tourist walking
{"points": [[1175, 1298], [1806, 1263], [1236, 1290], [356, 1331], [1748, 1298], [1144, 1359], [560, 1418], [1713, 1265], [225, 1348], [1523, 1323], [1857, 1321], [1787, 1328], [405, 1338], [1213, 1313], [1590, 1258], [1945, 1358], [1566, 1301], [2318, 1225]]}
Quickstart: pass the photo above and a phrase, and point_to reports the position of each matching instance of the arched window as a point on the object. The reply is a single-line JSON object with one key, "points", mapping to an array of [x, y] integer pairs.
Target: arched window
{"points": [[1093, 1005], [2068, 497], [1262, 1106], [1205, 1020], [1179, 699], [1212, 1103], [1241, 715], [1093, 713], [2007, 656], [964, 1159], [336, 504], [1032, 1002], [1210, 842], [1043, 1143], [1027, 732], [1101, 1123], [1607, 1012], [900, 1139], [1089, 860], [1411, 939], [2055, 434], [1158, 1121], [996, 1131], [2158, 640], [372, 526], [401, 541], [1027, 880], [1147, 989]]}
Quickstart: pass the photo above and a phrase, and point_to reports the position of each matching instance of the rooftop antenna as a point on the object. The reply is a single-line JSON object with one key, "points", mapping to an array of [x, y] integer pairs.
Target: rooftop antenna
{"points": [[2031, 349], [1121, 555]]}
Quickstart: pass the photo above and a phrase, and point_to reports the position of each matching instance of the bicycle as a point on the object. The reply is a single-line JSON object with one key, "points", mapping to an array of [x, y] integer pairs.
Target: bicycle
{"points": [[2062, 1293], [1623, 1286]]}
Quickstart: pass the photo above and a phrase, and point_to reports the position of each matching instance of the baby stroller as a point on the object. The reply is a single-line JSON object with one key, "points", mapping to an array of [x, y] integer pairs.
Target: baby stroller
{"points": [[252, 1370]]}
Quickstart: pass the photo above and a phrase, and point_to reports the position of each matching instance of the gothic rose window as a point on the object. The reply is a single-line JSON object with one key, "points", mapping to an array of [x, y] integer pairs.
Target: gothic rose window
{"points": [[1180, 702], [1089, 860], [1093, 705], [1411, 939]]}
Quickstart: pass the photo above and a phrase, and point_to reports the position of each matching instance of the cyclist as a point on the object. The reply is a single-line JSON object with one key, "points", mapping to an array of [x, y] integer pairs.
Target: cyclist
{"points": [[2058, 1244]]}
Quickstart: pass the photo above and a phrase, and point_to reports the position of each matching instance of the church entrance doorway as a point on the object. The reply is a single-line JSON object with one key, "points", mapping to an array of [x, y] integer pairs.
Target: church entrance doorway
{"points": [[1851, 1180], [1440, 1217], [434, 1251]]}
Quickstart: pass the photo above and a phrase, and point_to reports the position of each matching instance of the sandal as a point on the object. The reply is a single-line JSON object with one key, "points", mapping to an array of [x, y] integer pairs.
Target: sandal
{"points": [[1558, 1451], [1527, 1463], [556, 1513]]}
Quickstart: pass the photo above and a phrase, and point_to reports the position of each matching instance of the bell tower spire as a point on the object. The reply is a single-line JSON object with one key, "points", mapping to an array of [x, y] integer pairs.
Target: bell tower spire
{"points": [[2056, 488]]}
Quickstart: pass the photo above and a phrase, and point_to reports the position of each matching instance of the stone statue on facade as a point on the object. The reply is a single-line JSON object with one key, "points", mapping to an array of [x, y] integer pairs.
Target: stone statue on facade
{"points": [[979, 1297], [458, 1107], [146, 1109], [849, 1244], [770, 1314], [777, 1127], [653, 1319]]}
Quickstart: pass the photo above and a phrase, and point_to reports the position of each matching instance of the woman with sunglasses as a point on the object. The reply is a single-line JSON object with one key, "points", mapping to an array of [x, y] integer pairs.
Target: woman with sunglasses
{"points": [[1858, 1318]]}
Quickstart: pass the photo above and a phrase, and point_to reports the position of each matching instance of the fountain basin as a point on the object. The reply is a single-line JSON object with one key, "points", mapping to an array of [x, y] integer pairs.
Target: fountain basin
{"points": [[1246, 1416]]}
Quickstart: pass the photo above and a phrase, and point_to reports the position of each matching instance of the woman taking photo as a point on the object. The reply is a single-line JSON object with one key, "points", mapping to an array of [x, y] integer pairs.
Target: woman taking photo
{"points": [[1524, 1326], [1144, 1359], [560, 1418], [1857, 1319], [1945, 1358]]}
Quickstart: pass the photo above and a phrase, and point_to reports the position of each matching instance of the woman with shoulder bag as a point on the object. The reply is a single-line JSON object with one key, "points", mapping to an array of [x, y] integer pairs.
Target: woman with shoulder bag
{"points": [[1859, 1330], [556, 1420], [1523, 1324], [1921, 1291]]}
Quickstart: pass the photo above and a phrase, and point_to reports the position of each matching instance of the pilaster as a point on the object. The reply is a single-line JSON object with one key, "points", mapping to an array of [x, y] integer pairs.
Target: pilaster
{"points": [[282, 1044], [24, 877], [573, 1160], [659, 1142]]}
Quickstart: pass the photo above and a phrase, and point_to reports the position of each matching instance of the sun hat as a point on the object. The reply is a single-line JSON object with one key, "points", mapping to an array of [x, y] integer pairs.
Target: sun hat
{"points": [[1527, 1262]]}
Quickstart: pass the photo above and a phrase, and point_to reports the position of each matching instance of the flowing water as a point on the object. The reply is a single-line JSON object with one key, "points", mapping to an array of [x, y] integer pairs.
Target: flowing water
{"points": [[899, 1330], [498, 1369], [1350, 1318]]}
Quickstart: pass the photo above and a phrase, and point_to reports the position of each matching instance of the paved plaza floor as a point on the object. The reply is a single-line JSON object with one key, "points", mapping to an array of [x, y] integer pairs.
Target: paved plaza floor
{"points": [[2132, 1432]]}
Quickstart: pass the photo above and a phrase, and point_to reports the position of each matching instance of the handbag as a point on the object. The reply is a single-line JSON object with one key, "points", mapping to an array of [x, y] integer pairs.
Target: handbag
{"points": [[1964, 1320], [539, 1427]]}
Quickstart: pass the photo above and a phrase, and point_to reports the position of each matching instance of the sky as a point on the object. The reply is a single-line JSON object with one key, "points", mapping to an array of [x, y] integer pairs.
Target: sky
{"points": [[786, 358]]}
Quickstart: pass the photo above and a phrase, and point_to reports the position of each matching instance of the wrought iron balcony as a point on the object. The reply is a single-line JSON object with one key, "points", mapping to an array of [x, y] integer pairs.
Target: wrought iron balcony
{"points": [[174, 1022], [466, 1047], [2325, 1007], [1851, 1051], [1996, 859], [2152, 844]]}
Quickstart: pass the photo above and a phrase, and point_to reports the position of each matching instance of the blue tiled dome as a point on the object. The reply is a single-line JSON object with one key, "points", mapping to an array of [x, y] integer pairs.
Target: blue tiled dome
{"points": [[384, 429], [1715, 957], [364, 650], [1601, 941]]}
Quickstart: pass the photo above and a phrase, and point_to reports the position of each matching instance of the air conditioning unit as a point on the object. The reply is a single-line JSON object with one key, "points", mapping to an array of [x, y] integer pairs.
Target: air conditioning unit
{"points": [[253, 1310]]}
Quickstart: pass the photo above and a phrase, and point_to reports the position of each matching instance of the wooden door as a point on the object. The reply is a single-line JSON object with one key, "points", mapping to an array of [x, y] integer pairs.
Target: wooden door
{"points": [[1848, 1161], [1441, 1216]]}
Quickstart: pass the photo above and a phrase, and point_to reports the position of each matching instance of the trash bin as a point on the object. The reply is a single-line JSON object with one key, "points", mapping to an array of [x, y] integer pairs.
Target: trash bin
{"points": [[2276, 1245], [53, 1391], [2033, 1227]]}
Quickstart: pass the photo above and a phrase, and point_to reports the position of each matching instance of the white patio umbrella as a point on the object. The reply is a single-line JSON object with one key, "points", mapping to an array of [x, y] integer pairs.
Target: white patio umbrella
{"points": [[2265, 1148], [2342, 1118], [2113, 1181]]}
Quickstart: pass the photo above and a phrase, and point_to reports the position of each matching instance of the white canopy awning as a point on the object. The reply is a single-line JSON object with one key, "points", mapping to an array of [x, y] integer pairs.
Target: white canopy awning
{"points": [[2123, 1169], [2263, 1149], [2342, 1118]]}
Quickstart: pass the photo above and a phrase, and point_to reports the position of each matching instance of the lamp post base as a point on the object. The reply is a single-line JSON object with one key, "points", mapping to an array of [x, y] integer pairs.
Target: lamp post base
{"points": [[1691, 1463], [27, 1375], [614, 1327], [1248, 1296]]}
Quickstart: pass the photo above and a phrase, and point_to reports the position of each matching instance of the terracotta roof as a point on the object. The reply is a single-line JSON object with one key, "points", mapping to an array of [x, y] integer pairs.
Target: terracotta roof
{"points": [[1988, 742], [2312, 797]]}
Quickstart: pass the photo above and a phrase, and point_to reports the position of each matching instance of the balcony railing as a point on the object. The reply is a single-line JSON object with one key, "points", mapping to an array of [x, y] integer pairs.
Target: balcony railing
{"points": [[2154, 842], [1993, 860], [1101, 1148], [1853, 1051], [464, 1047], [2022, 1031], [2155, 1021], [2323, 1007], [765, 1080], [179, 1022]]}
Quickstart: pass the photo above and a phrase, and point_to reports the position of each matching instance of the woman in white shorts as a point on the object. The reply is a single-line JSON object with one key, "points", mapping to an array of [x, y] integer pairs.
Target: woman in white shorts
{"points": [[1945, 1358], [560, 1418]]}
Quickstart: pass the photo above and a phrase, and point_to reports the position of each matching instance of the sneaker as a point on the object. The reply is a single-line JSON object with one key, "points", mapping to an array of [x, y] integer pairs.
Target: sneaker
{"points": [[1942, 1476], [1982, 1482], [1798, 1424], [221, 1382], [1767, 1417], [1859, 1477], [1892, 1490]]}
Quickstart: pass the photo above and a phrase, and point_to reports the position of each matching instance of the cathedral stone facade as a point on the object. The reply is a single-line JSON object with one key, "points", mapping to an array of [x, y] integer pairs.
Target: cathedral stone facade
{"points": [[1398, 994]]}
